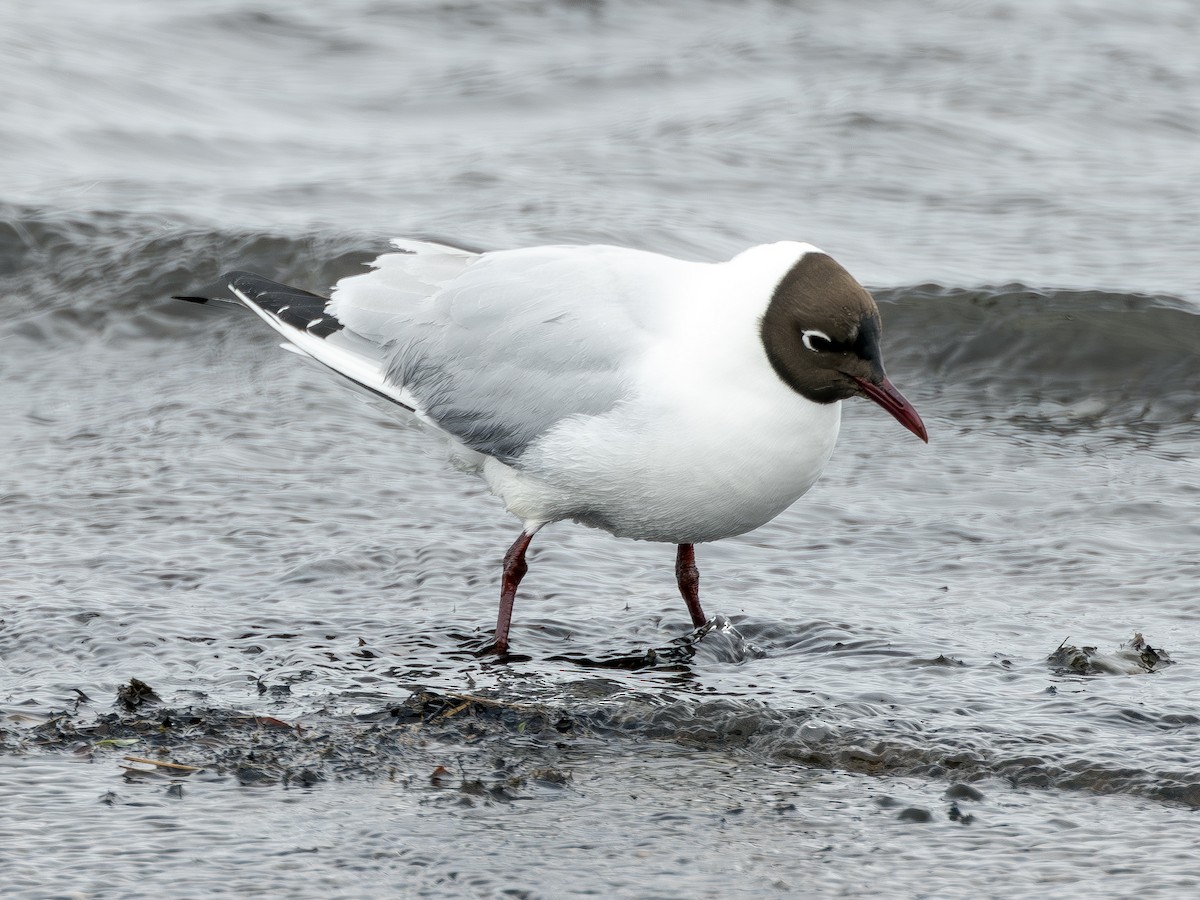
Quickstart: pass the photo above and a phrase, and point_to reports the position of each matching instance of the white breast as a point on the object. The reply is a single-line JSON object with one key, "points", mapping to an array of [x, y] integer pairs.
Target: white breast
{"points": [[709, 444]]}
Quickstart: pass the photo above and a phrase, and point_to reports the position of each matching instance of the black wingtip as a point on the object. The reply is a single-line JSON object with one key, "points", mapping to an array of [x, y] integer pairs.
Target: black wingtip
{"points": [[219, 292], [299, 309]]}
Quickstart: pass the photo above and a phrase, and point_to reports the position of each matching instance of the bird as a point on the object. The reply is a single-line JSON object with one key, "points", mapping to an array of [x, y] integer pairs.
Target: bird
{"points": [[655, 398]]}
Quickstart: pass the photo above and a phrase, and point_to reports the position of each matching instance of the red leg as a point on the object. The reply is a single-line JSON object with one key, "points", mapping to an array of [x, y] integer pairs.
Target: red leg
{"points": [[515, 568], [688, 577]]}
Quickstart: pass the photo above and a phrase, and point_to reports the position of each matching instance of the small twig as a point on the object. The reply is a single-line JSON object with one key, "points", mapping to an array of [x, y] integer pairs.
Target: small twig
{"points": [[486, 701], [471, 698], [162, 764], [450, 712]]}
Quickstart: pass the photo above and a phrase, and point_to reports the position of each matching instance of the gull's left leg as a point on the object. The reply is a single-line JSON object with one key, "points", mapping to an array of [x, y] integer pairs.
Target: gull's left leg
{"points": [[688, 577]]}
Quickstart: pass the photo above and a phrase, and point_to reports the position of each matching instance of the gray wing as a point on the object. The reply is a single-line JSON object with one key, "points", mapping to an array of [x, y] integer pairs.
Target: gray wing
{"points": [[496, 348]]}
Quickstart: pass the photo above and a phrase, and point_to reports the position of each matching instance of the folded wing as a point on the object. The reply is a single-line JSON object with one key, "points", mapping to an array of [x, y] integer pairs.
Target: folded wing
{"points": [[492, 348]]}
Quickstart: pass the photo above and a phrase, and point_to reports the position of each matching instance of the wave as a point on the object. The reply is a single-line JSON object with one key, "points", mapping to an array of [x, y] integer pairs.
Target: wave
{"points": [[1089, 353], [1092, 351], [112, 263]]}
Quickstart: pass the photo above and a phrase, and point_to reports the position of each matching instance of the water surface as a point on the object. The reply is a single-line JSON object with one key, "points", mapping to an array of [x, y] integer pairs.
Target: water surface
{"points": [[305, 585]]}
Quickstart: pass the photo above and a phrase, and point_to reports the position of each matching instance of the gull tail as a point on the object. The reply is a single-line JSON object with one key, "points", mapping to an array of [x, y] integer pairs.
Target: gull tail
{"points": [[301, 317]]}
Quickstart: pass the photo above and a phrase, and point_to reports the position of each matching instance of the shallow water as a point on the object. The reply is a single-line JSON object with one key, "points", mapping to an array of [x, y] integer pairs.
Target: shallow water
{"points": [[305, 585]]}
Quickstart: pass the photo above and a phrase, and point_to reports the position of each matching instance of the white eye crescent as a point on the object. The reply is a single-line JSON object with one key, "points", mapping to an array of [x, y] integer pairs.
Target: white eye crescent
{"points": [[811, 334]]}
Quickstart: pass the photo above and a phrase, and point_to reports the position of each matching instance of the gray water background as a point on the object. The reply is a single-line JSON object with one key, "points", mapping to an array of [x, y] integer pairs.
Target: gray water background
{"points": [[187, 505]]}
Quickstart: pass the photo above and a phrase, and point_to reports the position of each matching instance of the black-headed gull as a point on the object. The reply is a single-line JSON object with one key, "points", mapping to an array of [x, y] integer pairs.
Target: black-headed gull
{"points": [[658, 399]]}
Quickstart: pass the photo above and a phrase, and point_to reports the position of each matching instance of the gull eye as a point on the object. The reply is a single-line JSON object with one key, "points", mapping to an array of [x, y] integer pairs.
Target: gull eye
{"points": [[816, 341]]}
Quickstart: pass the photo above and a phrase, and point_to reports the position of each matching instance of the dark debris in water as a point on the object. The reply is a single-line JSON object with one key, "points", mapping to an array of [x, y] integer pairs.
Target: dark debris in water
{"points": [[136, 694], [494, 747], [1135, 657], [960, 791], [485, 749], [957, 815]]}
